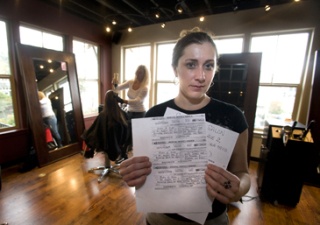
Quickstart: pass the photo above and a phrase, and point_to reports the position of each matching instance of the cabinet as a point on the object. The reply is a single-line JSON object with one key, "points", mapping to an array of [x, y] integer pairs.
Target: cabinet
{"points": [[285, 167]]}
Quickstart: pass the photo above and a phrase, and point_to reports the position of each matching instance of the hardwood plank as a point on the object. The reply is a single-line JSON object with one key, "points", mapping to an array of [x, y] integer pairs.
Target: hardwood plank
{"points": [[65, 193]]}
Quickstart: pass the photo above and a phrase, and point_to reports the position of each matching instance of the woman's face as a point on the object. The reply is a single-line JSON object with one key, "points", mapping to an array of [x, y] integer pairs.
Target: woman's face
{"points": [[140, 74], [195, 70]]}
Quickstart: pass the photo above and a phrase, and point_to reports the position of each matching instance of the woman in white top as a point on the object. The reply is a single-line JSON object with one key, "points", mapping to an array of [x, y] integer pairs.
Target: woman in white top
{"points": [[137, 92], [48, 116]]}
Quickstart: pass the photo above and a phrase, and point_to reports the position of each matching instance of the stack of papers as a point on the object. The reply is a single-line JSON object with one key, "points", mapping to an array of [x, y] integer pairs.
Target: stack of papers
{"points": [[179, 147]]}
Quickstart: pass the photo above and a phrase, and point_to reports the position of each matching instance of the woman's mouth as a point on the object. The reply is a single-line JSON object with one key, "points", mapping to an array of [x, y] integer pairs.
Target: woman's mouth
{"points": [[197, 87]]}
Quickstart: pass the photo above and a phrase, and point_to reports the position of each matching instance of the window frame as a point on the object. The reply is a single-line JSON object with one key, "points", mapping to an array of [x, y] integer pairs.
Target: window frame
{"points": [[93, 80], [124, 73], [299, 86], [11, 78]]}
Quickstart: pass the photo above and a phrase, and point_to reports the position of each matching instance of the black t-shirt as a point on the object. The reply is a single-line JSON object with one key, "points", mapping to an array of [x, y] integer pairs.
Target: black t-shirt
{"points": [[217, 112]]}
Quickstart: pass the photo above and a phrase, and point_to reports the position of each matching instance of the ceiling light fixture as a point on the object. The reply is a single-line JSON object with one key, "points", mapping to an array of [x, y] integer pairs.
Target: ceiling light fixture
{"points": [[235, 5], [108, 29], [129, 29], [163, 25], [201, 18], [114, 22], [267, 8], [179, 10]]}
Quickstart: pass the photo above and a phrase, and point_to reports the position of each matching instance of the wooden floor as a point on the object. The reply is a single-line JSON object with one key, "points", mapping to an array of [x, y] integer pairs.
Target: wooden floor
{"points": [[65, 193]]}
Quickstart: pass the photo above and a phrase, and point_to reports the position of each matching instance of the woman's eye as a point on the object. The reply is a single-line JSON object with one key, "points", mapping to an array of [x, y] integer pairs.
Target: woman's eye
{"points": [[209, 66], [191, 65]]}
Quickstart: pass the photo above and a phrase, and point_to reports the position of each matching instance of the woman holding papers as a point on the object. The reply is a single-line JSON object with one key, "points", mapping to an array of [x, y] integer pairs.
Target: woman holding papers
{"points": [[194, 63]]}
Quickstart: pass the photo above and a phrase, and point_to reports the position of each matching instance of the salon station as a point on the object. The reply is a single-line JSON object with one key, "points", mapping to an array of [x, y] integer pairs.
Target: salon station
{"points": [[71, 51]]}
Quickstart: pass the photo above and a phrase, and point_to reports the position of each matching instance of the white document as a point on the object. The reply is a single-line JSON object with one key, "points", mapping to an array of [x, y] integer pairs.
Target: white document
{"points": [[164, 191], [177, 149], [220, 142]]}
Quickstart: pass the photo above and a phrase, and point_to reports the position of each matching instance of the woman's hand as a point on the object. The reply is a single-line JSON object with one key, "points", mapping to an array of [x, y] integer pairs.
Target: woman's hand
{"points": [[135, 170], [221, 184]]}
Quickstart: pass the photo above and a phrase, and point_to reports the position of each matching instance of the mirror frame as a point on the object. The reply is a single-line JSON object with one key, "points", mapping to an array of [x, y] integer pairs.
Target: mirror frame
{"points": [[26, 55]]}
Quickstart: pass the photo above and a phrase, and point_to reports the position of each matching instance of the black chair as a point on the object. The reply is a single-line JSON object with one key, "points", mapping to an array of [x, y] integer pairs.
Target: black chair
{"points": [[108, 141], [106, 169]]}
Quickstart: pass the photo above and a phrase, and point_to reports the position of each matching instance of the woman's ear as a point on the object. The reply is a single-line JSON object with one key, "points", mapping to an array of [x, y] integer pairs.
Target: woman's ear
{"points": [[175, 71]]}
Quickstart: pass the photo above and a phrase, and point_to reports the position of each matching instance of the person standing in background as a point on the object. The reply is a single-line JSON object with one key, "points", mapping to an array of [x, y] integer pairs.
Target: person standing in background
{"points": [[48, 116], [137, 92]]}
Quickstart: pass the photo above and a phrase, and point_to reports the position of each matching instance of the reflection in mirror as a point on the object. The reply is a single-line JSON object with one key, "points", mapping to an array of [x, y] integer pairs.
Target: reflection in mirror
{"points": [[57, 79], [56, 106]]}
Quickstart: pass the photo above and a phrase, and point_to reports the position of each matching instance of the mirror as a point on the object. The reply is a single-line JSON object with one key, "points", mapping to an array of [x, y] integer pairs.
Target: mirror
{"points": [[56, 134]]}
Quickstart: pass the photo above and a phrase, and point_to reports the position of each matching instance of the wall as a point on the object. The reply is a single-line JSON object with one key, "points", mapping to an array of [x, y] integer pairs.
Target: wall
{"points": [[45, 16], [289, 16]]}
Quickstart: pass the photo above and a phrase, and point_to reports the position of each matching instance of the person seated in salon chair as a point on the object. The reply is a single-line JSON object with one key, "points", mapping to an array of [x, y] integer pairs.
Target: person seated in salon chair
{"points": [[110, 132]]}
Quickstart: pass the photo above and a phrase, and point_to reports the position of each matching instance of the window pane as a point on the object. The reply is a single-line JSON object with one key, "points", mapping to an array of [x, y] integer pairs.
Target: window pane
{"points": [[6, 104], [30, 36], [7, 118], [166, 91], [274, 103], [164, 59], [133, 58], [282, 57], [52, 41], [66, 95], [291, 54], [89, 96], [87, 60], [229, 45], [4, 57]]}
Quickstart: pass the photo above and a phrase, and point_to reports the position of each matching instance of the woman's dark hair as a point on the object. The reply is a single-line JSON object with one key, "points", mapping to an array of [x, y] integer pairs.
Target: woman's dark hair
{"points": [[188, 37], [112, 110]]}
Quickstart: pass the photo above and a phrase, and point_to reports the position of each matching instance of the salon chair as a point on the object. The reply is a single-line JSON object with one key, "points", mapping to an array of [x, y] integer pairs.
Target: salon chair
{"points": [[106, 169]]}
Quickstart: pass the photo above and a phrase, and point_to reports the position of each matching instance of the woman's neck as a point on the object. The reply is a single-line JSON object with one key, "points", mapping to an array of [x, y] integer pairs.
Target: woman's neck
{"points": [[191, 104], [136, 84]]}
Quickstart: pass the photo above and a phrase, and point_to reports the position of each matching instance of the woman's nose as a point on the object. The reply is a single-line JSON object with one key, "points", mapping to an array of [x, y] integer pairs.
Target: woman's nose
{"points": [[201, 75]]}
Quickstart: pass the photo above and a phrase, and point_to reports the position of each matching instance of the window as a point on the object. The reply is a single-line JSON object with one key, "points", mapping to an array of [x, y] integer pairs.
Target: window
{"points": [[133, 57], [283, 58], [7, 111], [166, 86], [87, 60], [38, 38], [229, 45]]}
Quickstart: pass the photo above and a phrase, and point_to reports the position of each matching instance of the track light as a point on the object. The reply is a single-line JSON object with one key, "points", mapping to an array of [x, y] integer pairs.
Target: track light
{"points": [[267, 8]]}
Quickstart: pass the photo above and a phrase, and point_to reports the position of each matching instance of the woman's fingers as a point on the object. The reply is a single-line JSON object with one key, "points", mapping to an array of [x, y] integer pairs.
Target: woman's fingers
{"points": [[135, 170], [221, 184]]}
